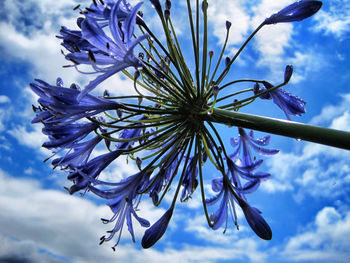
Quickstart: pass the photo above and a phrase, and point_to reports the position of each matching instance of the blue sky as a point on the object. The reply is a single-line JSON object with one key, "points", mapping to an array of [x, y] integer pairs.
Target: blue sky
{"points": [[306, 201]]}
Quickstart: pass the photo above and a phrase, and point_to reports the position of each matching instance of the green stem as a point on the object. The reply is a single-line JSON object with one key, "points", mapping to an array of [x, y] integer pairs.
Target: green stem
{"points": [[300, 131]]}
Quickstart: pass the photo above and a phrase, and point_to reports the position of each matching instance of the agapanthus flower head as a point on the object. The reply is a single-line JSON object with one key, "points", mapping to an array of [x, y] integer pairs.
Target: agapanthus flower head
{"points": [[167, 129], [295, 12]]}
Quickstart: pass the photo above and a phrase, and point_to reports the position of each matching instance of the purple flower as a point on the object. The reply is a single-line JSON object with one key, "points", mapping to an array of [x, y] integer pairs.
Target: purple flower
{"points": [[162, 178], [87, 173], [289, 103], [108, 56], [101, 13], [295, 12], [65, 136], [79, 156], [253, 179], [189, 181], [244, 143], [63, 105], [227, 204], [123, 199], [157, 230]]}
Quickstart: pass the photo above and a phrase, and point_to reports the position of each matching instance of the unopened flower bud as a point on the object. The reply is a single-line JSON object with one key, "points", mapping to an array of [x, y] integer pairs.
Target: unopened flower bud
{"points": [[215, 90], [211, 53], [295, 12], [106, 93], [227, 61], [166, 14], [156, 5], [204, 6], [168, 4], [288, 73], [228, 25]]}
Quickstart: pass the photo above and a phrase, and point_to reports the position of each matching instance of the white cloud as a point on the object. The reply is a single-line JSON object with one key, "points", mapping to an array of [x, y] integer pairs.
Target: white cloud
{"points": [[326, 240], [32, 138], [23, 251], [4, 99], [64, 225], [316, 170], [43, 222], [335, 19], [221, 11]]}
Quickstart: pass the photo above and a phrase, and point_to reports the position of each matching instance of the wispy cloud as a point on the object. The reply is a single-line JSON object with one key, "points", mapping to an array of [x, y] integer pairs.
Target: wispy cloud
{"points": [[326, 240], [322, 171], [335, 19]]}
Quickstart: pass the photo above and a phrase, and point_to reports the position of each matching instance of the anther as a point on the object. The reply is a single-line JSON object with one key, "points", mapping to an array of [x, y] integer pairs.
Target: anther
{"points": [[91, 56]]}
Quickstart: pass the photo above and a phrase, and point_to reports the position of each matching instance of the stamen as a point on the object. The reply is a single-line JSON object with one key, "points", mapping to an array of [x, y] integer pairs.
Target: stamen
{"points": [[91, 56]]}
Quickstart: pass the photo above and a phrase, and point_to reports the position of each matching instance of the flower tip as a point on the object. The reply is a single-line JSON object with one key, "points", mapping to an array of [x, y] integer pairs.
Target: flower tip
{"points": [[256, 221], [288, 73], [295, 12], [228, 25], [155, 232], [156, 5]]}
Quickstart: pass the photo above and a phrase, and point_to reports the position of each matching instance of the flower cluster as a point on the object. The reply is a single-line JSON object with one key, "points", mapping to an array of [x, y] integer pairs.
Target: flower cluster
{"points": [[168, 126]]}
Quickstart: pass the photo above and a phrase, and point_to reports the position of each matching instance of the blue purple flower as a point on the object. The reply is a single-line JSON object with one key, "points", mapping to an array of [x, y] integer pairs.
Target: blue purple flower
{"points": [[108, 55]]}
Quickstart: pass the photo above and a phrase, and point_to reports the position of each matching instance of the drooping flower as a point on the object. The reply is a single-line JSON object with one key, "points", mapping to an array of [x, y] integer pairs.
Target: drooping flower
{"points": [[122, 201], [63, 105], [64, 136], [295, 12], [189, 181], [287, 102], [78, 155], [108, 56], [244, 143], [84, 175], [227, 205]]}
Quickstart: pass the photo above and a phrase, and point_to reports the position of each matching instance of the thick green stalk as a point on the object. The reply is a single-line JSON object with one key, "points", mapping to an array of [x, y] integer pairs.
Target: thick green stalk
{"points": [[300, 131]]}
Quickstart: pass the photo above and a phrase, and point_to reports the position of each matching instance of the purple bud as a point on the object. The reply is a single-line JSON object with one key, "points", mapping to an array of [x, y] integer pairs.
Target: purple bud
{"points": [[157, 230], [256, 88], [288, 73], [168, 4], [227, 61], [211, 53], [256, 221], [215, 90], [156, 5], [228, 25], [295, 12], [106, 93], [59, 82], [167, 13]]}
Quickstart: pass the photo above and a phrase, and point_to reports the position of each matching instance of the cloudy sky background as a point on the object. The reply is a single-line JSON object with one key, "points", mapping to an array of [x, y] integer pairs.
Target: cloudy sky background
{"points": [[306, 201]]}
